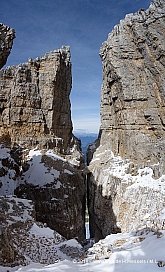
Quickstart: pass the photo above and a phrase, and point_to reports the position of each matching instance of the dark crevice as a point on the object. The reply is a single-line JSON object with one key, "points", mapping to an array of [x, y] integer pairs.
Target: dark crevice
{"points": [[107, 217]]}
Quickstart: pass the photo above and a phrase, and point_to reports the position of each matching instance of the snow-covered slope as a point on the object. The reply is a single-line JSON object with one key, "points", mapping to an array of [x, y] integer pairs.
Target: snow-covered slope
{"points": [[122, 196], [137, 251], [32, 168], [43, 249], [23, 240], [9, 171]]}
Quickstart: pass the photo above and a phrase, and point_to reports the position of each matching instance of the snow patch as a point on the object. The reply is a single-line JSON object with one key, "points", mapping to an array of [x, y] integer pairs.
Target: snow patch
{"points": [[68, 172], [46, 232], [38, 173], [54, 156]]}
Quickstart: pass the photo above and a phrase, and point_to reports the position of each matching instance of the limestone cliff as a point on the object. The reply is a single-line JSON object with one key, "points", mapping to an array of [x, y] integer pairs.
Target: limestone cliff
{"points": [[40, 159], [132, 124], [133, 90], [7, 35], [35, 105]]}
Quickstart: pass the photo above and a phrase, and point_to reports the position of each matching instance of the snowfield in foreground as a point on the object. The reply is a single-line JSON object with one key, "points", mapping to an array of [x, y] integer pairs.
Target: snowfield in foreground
{"points": [[143, 250]]}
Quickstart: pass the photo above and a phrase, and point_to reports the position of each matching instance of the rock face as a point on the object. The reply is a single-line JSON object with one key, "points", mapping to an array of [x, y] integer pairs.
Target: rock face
{"points": [[57, 189], [40, 159], [54, 183], [35, 105], [133, 90], [132, 133], [121, 197], [7, 35], [15, 214]]}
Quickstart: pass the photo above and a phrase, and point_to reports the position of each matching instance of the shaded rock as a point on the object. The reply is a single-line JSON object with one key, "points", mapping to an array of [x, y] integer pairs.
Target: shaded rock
{"points": [[58, 190], [24, 240], [54, 183], [7, 35]]}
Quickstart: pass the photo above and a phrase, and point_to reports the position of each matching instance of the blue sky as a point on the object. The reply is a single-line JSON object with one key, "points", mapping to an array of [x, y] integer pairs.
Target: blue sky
{"points": [[45, 25]]}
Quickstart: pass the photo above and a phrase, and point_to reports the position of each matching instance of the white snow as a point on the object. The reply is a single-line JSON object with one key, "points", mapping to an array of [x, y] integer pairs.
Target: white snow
{"points": [[46, 232], [72, 243], [74, 161], [51, 154], [117, 167], [58, 184], [66, 196], [9, 184], [68, 172], [23, 212], [38, 174], [128, 252], [4, 152]]}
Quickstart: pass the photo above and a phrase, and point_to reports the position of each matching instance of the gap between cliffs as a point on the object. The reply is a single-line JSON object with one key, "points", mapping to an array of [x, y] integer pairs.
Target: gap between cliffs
{"points": [[88, 145]]}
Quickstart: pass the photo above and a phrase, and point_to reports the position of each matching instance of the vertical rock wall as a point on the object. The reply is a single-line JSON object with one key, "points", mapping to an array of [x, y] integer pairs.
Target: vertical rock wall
{"points": [[133, 90], [35, 105], [126, 180]]}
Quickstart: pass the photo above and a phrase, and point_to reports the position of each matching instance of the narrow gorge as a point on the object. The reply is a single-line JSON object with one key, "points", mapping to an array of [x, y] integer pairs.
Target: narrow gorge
{"points": [[42, 170]]}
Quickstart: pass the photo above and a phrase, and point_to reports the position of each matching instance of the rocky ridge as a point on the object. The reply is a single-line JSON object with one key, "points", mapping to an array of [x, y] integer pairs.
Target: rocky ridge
{"points": [[126, 176]]}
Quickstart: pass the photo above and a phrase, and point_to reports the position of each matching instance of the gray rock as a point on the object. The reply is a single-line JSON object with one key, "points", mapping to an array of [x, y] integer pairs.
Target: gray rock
{"points": [[35, 105], [132, 132], [132, 98], [35, 113], [7, 35], [24, 240]]}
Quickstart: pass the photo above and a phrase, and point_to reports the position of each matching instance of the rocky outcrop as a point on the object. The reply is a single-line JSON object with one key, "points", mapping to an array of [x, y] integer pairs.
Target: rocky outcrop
{"points": [[54, 183], [15, 214], [35, 105], [57, 189], [7, 35], [126, 181]]}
